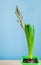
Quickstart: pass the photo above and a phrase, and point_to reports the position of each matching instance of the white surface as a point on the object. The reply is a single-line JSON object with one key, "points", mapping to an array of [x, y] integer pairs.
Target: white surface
{"points": [[10, 62]]}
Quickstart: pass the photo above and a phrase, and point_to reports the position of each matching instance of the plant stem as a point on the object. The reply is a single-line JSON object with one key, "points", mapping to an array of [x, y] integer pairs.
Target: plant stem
{"points": [[30, 52]]}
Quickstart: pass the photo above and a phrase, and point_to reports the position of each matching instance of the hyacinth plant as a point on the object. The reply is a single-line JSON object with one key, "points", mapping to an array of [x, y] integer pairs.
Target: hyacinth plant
{"points": [[29, 32]]}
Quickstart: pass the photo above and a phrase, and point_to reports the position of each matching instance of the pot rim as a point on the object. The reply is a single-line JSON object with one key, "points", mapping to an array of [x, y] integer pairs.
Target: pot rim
{"points": [[29, 63]]}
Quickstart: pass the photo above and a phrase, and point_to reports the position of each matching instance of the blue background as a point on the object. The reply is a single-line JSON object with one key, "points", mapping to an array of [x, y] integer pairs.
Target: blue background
{"points": [[13, 43]]}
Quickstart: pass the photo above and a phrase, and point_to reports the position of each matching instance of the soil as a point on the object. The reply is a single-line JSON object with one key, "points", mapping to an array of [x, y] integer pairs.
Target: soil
{"points": [[30, 60]]}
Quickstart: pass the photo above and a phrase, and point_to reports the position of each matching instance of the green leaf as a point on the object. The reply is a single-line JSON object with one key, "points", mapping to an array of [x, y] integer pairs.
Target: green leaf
{"points": [[29, 31]]}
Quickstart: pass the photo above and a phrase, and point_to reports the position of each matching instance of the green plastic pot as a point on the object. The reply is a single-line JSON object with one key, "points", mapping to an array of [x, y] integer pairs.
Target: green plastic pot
{"points": [[38, 63]]}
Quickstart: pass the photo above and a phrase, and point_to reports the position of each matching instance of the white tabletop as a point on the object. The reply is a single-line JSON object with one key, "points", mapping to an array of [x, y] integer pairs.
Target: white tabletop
{"points": [[11, 62]]}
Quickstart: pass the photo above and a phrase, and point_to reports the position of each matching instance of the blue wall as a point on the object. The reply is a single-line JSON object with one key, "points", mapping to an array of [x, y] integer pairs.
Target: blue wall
{"points": [[12, 38]]}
